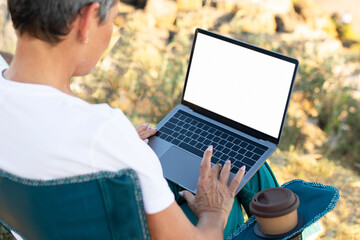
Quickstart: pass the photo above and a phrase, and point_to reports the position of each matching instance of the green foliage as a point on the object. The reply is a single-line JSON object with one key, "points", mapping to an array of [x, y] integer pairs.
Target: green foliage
{"points": [[4, 234]]}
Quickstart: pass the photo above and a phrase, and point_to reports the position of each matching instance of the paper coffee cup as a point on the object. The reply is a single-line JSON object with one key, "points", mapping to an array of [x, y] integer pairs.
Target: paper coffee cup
{"points": [[275, 210]]}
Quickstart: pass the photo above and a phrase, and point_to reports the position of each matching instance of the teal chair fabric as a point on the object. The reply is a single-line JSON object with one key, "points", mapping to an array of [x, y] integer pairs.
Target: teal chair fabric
{"points": [[315, 201], [105, 205]]}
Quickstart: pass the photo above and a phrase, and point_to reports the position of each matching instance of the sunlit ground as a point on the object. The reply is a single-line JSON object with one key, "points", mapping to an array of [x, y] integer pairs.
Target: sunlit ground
{"points": [[144, 69]]}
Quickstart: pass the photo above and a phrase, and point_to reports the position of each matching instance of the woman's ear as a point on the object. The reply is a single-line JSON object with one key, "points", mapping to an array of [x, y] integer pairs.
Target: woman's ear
{"points": [[87, 15]]}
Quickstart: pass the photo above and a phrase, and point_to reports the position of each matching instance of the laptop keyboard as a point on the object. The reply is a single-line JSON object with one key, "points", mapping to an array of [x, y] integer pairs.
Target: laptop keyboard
{"points": [[195, 135]]}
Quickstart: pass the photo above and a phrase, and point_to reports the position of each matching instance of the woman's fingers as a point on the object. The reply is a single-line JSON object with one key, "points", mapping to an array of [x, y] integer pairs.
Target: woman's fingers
{"points": [[145, 131], [237, 179], [142, 128], [225, 172], [205, 165], [148, 133]]}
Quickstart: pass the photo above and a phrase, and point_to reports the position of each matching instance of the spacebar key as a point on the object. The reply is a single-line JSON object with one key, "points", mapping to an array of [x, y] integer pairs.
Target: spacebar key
{"points": [[191, 149]]}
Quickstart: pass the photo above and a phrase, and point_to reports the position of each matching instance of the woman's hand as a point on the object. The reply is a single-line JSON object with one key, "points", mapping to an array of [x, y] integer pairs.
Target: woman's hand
{"points": [[214, 199], [145, 131]]}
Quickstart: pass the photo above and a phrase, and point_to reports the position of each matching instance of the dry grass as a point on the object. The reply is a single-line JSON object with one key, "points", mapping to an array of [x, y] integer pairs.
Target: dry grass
{"points": [[344, 221]]}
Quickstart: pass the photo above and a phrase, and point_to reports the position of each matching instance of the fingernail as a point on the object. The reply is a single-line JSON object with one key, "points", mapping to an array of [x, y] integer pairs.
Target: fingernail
{"points": [[228, 161], [146, 140], [219, 164], [210, 148], [181, 194], [154, 129], [243, 168]]}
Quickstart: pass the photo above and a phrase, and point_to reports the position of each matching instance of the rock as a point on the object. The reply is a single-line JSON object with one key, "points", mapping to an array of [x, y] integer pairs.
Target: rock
{"points": [[163, 11], [184, 5], [254, 22], [272, 6], [204, 18], [286, 22], [307, 9]]}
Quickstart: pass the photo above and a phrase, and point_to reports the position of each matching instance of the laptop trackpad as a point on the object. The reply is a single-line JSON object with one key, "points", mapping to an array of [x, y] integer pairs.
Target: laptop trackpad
{"points": [[181, 167]]}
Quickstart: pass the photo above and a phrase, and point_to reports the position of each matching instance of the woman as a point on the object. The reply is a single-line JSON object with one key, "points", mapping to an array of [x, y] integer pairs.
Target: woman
{"points": [[47, 133]]}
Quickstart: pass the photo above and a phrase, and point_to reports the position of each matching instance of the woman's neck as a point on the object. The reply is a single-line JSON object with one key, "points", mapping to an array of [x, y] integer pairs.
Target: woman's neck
{"points": [[38, 62]]}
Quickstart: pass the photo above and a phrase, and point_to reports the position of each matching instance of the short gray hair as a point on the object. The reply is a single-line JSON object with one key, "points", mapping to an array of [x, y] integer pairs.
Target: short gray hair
{"points": [[50, 20]]}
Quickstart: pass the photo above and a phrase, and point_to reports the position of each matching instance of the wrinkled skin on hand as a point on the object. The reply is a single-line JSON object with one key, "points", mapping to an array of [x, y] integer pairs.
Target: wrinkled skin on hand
{"points": [[145, 131], [213, 195]]}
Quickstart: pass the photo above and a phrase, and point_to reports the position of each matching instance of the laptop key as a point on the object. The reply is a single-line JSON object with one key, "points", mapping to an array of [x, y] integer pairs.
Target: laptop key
{"points": [[175, 134], [242, 150], [255, 157], [232, 154], [175, 141], [224, 135], [207, 142], [195, 136], [234, 169], [248, 161], [216, 139], [248, 154], [217, 154], [206, 128], [229, 145], [166, 130], [194, 122], [182, 117], [239, 157], [181, 137], [210, 136], [235, 148], [188, 120], [224, 157], [173, 120], [177, 115], [192, 128], [188, 133], [250, 147], [259, 151], [230, 138], [219, 147], [187, 140], [238, 164], [200, 125], [218, 133], [226, 150], [192, 142], [214, 159], [244, 144], [198, 145], [203, 133], [191, 149], [212, 130], [237, 141]]}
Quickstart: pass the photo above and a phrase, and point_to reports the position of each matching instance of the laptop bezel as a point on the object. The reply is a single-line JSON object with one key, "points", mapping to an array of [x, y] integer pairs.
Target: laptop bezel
{"points": [[238, 126]]}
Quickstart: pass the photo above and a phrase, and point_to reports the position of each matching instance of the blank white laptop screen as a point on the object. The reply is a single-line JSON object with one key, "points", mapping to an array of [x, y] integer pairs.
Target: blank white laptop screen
{"points": [[243, 85]]}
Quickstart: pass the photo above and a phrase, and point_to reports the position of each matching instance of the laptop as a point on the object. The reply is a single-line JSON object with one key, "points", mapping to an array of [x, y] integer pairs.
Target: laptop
{"points": [[235, 98]]}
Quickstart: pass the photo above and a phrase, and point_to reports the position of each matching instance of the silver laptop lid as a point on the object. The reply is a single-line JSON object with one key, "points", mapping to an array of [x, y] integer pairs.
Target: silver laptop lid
{"points": [[243, 86]]}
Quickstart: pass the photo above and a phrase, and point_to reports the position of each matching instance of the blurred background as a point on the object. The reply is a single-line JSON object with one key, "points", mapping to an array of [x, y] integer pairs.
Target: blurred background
{"points": [[143, 71]]}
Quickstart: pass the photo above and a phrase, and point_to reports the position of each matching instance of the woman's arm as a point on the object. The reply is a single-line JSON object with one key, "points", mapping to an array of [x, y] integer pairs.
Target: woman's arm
{"points": [[212, 205]]}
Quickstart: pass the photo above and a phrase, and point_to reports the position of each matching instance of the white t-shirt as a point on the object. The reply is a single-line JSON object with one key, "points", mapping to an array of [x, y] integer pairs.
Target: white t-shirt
{"points": [[47, 134]]}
